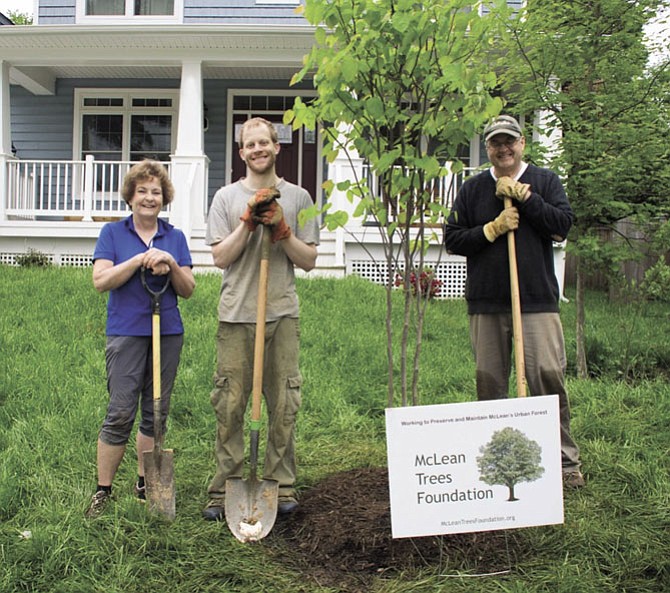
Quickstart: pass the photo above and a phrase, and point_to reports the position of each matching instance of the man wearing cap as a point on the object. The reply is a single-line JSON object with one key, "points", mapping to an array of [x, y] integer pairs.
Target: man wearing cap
{"points": [[476, 228]]}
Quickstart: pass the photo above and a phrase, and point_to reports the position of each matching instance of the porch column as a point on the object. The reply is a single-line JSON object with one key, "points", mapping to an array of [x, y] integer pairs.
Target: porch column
{"points": [[189, 162], [344, 167], [5, 136]]}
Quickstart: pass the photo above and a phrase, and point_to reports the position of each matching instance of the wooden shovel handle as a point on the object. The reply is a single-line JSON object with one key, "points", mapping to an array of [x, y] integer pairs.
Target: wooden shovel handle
{"points": [[259, 345], [517, 327], [156, 353]]}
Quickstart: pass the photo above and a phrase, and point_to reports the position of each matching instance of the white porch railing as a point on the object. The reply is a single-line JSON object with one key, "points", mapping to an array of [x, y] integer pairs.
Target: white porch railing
{"points": [[66, 190], [443, 190]]}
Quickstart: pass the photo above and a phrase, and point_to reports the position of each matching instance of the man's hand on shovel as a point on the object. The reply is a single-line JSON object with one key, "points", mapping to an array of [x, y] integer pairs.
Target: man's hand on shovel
{"points": [[507, 220], [272, 216], [506, 187], [256, 205]]}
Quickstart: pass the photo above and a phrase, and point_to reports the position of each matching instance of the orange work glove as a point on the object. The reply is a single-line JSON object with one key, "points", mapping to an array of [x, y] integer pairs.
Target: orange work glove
{"points": [[273, 217], [507, 220], [506, 187], [256, 204]]}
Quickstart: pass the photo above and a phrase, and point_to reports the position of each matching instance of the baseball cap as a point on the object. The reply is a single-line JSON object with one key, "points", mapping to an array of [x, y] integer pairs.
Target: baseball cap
{"points": [[503, 124]]}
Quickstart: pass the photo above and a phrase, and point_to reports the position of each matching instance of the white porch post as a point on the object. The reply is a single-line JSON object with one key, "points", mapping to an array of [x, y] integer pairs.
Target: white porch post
{"points": [[87, 198], [189, 162], [344, 168], [5, 136]]}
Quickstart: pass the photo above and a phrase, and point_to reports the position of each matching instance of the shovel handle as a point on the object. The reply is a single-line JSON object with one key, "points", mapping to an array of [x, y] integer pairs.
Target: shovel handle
{"points": [[517, 327], [156, 352], [259, 345], [155, 295]]}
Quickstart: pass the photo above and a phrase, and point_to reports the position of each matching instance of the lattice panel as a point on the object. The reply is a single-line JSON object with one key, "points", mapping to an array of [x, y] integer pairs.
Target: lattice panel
{"points": [[76, 260], [80, 260], [452, 275], [8, 259]]}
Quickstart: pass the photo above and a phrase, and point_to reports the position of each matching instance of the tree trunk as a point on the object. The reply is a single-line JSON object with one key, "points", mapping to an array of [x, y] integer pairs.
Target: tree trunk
{"points": [[582, 369], [389, 341]]}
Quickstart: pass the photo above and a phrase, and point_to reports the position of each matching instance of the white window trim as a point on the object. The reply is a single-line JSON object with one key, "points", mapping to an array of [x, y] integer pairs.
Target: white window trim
{"points": [[129, 18], [279, 2], [127, 95]]}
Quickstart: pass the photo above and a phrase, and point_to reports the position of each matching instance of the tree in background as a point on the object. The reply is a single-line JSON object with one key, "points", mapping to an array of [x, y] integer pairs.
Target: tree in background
{"points": [[508, 458], [20, 18], [584, 66], [402, 85]]}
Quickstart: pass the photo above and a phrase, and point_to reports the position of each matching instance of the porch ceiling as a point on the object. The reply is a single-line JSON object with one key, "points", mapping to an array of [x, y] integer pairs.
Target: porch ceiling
{"points": [[230, 52]]}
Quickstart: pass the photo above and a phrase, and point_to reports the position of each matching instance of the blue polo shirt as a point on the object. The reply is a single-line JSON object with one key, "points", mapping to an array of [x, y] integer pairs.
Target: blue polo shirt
{"points": [[129, 306]]}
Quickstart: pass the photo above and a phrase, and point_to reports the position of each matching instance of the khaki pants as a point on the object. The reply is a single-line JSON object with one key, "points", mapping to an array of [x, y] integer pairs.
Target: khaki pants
{"points": [[281, 390], [544, 354]]}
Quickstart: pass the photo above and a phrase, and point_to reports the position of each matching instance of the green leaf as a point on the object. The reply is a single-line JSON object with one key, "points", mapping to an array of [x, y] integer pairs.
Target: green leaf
{"points": [[336, 220]]}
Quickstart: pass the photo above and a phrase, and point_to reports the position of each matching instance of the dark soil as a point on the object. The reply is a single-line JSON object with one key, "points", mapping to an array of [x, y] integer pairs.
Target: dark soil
{"points": [[340, 537]]}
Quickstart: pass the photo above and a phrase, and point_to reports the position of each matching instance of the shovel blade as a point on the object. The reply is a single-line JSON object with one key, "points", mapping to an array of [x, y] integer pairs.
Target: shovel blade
{"points": [[251, 507], [159, 481]]}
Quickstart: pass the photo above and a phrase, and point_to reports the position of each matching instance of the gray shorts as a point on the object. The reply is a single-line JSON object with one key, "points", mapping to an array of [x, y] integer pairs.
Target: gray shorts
{"points": [[130, 384]]}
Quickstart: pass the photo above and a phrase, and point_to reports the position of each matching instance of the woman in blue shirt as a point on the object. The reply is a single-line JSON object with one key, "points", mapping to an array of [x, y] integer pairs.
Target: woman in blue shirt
{"points": [[142, 240]]}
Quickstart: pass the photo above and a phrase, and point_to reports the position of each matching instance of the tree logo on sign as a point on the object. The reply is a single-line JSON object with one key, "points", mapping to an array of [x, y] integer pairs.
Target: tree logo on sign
{"points": [[509, 458]]}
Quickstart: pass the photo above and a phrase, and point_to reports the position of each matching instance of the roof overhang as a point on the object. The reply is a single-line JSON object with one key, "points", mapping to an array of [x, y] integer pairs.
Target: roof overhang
{"points": [[41, 54]]}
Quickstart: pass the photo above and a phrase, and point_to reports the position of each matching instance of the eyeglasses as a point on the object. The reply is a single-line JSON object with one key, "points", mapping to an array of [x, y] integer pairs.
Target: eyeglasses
{"points": [[503, 143]]}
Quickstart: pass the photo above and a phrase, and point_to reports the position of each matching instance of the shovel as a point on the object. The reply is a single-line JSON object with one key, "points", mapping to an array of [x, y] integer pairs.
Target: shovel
{"points": [[517, 328], [251, 504], [159, 462]]}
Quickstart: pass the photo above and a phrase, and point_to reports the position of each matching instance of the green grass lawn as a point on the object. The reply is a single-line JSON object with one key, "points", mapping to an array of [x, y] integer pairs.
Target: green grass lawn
{"points": [[616, 535]]}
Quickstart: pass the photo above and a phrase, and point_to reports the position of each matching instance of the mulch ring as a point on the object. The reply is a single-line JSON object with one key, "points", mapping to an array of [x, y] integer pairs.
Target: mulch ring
{"points": [[340, 536]]}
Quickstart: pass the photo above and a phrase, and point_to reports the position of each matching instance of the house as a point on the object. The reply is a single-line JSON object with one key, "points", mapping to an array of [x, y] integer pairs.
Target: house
{"points": [[96, 84]]}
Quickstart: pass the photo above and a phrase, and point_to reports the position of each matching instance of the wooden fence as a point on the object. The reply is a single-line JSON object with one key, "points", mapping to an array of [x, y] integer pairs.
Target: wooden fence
{"points": [[632, 271]]}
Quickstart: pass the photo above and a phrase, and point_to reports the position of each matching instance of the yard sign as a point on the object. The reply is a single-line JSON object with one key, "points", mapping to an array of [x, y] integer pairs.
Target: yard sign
{"points": [[475, 466]]}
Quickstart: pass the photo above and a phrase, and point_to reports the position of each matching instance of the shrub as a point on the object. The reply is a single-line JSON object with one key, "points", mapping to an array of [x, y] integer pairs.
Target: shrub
{"points": [[656, 283], [33, 258]]}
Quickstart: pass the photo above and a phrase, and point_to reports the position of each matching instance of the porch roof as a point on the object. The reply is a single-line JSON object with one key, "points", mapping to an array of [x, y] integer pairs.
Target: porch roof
{"points": [[49, 52]]}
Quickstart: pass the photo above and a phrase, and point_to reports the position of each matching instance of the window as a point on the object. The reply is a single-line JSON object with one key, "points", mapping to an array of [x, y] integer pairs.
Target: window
{"points": [[129, 10], [125, 125], [134, 7]]}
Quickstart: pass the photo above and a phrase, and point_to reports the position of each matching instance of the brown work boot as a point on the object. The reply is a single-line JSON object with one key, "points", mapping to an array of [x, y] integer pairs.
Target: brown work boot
{"points": [[573, 479], [98, 503]]}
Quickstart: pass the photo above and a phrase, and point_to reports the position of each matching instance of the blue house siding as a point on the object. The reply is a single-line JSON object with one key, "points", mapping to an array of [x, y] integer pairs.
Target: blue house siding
{"points": [[57, 12], [240, 12], [41, 125]]}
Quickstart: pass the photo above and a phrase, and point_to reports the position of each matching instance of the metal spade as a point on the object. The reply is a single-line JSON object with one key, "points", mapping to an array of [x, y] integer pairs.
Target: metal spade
{"points": [[251, 504]]}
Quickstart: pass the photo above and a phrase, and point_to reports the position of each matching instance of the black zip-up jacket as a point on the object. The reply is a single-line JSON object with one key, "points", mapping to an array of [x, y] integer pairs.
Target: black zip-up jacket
{"points": [[546, 215]]}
